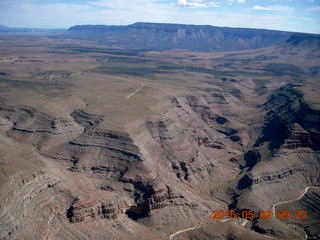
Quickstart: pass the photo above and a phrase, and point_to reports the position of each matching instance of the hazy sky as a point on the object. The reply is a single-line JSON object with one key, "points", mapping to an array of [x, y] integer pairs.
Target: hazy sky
{"points": [[291, 15]]}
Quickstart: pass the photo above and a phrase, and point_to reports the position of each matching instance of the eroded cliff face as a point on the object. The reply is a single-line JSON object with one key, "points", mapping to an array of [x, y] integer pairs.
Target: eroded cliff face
{"points": [[298, 137], [289, 122], [285, 153], [182, 167], [160, 36], [80, 212]]}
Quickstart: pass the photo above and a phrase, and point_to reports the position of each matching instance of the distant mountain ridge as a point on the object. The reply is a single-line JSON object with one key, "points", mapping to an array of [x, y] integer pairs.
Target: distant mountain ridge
{"points": [[4, 30], [163, 36], [302, 44], [305, 40]]}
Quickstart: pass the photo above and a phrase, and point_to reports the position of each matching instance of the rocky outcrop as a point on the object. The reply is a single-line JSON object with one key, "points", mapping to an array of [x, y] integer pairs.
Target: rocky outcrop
{"points": [[149, 197], [38, 175], [117, 145], [205, 141], [282, 108], [80, 211], [29, 120], [161, 198], [156, 197], [289, 122], [162, 134], [114, 149], [298, 137], [202, 109], [278, 175], [87, 120], [247, 180]]}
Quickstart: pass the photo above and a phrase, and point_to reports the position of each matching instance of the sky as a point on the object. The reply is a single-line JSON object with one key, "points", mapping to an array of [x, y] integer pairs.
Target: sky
{"points": [[288, 15]]}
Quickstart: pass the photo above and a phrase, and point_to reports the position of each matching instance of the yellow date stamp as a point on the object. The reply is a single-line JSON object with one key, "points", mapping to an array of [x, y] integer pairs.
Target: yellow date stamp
{"points": [[297, 215]]}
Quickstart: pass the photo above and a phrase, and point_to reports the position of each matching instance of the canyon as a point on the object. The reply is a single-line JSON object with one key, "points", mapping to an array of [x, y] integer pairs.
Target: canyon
{"points": [[104, 137]]}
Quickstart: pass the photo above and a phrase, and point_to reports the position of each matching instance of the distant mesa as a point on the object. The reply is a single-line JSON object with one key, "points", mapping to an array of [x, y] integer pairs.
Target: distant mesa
{"points": [[163, 36], [4, 30], [306, 45], [305, 40]]}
